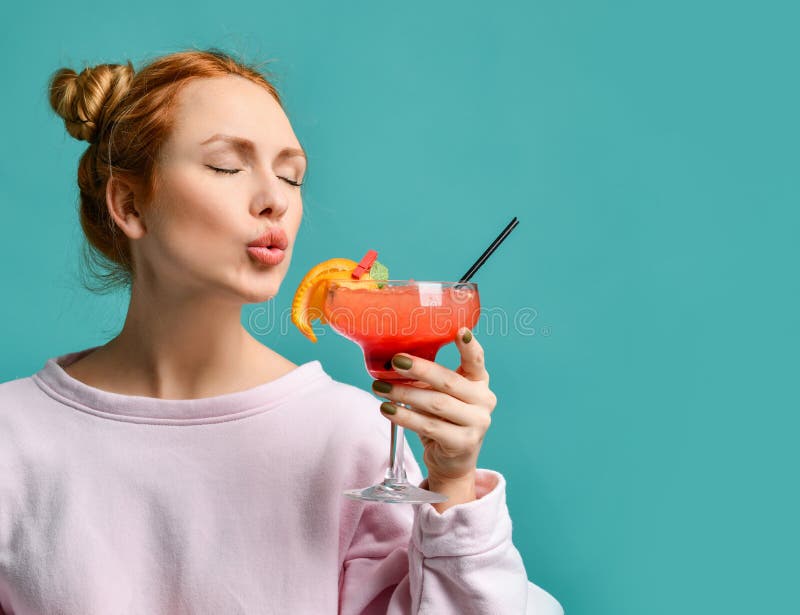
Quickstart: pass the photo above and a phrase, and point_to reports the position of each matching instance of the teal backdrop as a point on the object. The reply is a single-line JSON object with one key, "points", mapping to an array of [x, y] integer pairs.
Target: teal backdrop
{"points": [[647, 372]]}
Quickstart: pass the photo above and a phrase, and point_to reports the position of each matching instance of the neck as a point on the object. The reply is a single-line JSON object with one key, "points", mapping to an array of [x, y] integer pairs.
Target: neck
{"points": [[187, 346]]}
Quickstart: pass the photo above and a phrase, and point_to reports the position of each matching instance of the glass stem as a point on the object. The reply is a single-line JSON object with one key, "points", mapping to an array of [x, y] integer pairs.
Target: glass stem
{"points": [[396, 473]]}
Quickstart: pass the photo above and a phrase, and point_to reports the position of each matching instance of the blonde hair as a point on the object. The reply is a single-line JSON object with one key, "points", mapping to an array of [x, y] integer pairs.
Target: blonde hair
{"points": [[126, 116]]}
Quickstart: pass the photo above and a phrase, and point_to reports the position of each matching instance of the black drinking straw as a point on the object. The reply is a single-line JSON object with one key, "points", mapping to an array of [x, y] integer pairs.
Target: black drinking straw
{"points": [[489, 250]]}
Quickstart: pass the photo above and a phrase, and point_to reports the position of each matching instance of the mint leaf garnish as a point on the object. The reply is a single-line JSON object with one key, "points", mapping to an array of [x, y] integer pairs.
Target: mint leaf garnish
{"points": [[379, 272]]}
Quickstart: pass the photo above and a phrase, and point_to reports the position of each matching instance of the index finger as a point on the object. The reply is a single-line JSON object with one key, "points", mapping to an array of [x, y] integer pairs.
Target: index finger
{"points": [[437, 377]]}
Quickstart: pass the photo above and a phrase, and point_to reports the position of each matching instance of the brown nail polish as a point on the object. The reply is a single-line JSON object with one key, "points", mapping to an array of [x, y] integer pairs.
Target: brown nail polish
{"points": [[381, 387], [401, 361]]}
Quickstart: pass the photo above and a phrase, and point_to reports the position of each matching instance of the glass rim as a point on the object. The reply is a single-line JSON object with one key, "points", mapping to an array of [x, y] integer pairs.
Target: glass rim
{"points": [[409, 282]]}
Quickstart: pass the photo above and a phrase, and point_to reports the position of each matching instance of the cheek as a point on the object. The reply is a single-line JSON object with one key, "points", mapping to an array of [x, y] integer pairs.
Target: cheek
{"points": [[195, 210], [194, 225], [296, 216]]}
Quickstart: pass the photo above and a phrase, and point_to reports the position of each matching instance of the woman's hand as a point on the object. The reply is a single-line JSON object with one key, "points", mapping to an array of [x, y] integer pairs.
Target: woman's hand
{"points": [[451, 412]]}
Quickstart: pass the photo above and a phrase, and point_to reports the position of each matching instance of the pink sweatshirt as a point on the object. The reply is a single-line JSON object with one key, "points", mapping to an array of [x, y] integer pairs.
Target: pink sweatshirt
{"points": [[114, 504]]}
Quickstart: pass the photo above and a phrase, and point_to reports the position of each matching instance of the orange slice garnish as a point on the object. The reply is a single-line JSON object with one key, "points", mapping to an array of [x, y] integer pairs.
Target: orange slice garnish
{"points": [[309, 299]]}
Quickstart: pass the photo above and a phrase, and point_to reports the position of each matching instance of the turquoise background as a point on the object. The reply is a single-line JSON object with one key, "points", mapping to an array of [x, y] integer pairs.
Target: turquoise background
{"points": [[648, 428]]}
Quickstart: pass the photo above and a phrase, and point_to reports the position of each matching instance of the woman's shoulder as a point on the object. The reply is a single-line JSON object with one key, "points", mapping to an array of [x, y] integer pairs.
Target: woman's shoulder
{"points": [[342, 406], [344, 397], [23, 426], [17, 391]]}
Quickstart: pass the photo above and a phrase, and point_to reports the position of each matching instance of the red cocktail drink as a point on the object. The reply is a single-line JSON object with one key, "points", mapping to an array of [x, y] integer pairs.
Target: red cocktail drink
{"points": [[417, 318], [385, 317]]}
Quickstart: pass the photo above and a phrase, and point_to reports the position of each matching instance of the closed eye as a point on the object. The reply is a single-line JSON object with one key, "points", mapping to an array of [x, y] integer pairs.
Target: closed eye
{"points": [[226, 171], [234, 171]]}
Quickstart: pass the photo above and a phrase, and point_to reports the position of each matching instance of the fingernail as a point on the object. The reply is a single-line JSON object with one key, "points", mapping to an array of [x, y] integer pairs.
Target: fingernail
{"points": [[381, 386], [388, 408], [401, 361], [467, 337]]}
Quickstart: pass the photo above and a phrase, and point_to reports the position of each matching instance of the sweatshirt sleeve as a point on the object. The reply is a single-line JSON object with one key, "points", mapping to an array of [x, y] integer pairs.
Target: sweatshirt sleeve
{"points": [[410, 559]]}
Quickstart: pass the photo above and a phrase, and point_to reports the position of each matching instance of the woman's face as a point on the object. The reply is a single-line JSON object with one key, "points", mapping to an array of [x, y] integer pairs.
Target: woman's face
{"points": [[225, 176]]}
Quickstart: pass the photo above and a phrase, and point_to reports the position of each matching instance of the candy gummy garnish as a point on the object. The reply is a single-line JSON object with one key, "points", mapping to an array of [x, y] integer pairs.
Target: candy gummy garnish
{"points": [[379, 271], [365, 264]]}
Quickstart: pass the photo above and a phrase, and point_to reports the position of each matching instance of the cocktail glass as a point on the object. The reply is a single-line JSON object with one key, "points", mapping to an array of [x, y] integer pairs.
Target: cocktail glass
{"points": [[385, 317]]}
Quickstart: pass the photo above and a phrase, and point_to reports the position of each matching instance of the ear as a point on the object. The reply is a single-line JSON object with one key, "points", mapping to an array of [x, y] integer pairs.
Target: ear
{"points": [[122, 200]]}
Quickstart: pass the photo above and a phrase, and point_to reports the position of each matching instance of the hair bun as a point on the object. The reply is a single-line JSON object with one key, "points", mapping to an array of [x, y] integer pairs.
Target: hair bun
{"points": [[84, 100]]}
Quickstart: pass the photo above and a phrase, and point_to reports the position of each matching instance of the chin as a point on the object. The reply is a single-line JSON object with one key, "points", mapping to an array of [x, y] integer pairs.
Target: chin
{"points": [[259, 295], [263, 288], [260, 285]]}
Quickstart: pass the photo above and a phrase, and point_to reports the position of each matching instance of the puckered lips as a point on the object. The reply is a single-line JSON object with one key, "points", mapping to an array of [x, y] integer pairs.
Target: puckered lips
{"points": [[269, 248]]}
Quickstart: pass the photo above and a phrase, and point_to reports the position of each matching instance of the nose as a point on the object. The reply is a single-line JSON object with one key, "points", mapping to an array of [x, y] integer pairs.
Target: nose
{"points": [[271, 200]]}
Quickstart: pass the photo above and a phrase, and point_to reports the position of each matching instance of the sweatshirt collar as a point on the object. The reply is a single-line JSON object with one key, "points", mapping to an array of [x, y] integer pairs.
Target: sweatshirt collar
{"points": [[58, 384]]}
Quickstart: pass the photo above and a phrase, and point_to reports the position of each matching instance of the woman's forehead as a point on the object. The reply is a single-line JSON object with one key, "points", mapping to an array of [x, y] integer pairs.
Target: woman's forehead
{"points": [[229, 105]]}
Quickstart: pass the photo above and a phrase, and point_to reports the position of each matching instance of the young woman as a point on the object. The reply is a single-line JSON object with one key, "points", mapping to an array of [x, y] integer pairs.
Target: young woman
{"points": [[184, 467]]}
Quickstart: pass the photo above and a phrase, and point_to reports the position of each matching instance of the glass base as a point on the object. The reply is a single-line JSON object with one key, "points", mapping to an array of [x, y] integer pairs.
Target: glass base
{"points": [[396, 493]]}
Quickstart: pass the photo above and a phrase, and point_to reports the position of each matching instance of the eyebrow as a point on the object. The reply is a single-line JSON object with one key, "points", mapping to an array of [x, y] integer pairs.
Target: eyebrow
{"points": [[247, 145]]}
